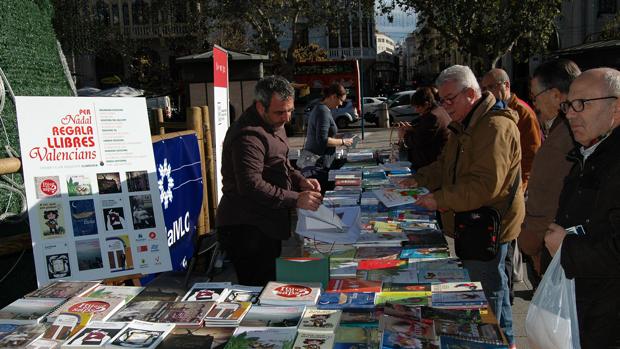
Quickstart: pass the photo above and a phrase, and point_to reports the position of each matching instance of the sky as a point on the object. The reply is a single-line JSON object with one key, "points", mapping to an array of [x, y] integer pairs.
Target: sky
{"points": [[403, 24]]}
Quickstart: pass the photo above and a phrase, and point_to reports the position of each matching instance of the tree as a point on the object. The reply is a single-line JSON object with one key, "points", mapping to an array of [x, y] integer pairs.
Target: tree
{"points": [[310, 53], [611, 30], [271, 20], [486, 29]]}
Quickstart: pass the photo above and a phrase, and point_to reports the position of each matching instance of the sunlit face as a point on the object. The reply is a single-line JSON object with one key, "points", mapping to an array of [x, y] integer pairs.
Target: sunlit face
{"points": [[279, 112], [547, 101], [597, 117], [334, 101], [498, 89], [456, 100]]}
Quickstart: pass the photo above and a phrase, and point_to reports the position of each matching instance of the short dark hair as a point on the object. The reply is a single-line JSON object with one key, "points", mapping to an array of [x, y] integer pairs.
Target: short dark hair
{"points": [[557, 73], [269, 85], [334, 89], [424, 95]]}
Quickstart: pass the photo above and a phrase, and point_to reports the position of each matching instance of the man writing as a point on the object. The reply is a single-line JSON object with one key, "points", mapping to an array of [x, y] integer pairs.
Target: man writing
{"points": [[260, 186], [478, 167], [590, 202]]}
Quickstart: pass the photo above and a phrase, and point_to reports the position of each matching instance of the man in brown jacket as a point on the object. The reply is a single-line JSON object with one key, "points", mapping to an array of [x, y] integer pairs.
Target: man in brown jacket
{"points": [[260, 186], [478, 166], [550, 85]]}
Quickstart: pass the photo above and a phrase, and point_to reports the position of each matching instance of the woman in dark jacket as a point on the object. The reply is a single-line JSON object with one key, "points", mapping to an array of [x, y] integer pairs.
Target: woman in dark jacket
{"points": [[426, 139]]}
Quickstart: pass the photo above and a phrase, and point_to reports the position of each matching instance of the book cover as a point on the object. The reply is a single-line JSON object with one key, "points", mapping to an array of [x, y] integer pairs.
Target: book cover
{"points": [[206, 291], [311, 340], [377, 252], [52, 219], [346, 253], [356, 300], [295, 270], [425, 238], [22, 335], [47, 187], [387, 227], [342, 268], [6, 329], [410, 327], [140, 334], [374, 264], [94, 335], [42, 343], [489, 333], [454, 315], [457, 286], [425, 252], [272, 316], [139, 310], [227, 312], [392, 339], [442, 275], [105, 291], [101, 309], [184, 313], [284, 293], [356, 338], [28, 311], [392, 197], [375, 240], [462, 298], [391, 275], [88, 253], [83, 217], [423, 289], [63, 289], [403, 310], [447, 342], [262, 337], [360, 318], [319, 320], [353, 285], [197, 338], [239, 293], [408, 298], [66, 325], [114, 216], [79, 185]]}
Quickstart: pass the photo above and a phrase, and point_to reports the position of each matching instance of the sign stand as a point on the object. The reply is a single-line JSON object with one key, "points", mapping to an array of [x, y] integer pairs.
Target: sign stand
{"points": [[118, 281]]}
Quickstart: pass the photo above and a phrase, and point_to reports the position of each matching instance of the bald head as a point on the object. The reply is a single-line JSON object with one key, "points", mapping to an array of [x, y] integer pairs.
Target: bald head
{"points": [[594, 109], [497, 82]]}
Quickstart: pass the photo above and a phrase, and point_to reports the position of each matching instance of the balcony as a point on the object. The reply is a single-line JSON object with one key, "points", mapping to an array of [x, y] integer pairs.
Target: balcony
{"points": [[151, 31], [352, 53]]}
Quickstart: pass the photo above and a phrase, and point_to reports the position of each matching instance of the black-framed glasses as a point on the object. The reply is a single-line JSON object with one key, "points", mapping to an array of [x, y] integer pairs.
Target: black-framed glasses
{"points": [[541, 92], [579, 104], [450, 100]]}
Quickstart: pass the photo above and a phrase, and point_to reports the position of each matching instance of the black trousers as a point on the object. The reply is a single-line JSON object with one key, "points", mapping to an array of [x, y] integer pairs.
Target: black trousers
{"points": [[252, 252]]}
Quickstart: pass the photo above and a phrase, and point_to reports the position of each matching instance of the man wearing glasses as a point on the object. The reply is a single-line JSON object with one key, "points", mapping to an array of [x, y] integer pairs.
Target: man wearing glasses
{"points": [[549, 87], [478, 167], [590, 206]]}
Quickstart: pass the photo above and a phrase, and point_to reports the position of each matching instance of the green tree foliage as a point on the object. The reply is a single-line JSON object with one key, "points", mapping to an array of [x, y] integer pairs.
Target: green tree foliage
{"points": [[310, 53], [611, 30], [486, 29]]}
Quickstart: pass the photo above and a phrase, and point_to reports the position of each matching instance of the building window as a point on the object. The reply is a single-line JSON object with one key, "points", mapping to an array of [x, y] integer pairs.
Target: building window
{"points": [[115, 15], [102, 13], [366, 32], [333, 37], [139, 12], [301, 34], [607, 7], [345, 35], [357, 31], [125, 14]]}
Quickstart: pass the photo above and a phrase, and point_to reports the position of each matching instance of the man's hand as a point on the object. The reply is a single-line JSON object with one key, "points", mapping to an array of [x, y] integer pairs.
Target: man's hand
{"points": [[408, 183], [347, 142], [554, 237], [310, 184], [427, 201], [403, 127], [309, 200]]}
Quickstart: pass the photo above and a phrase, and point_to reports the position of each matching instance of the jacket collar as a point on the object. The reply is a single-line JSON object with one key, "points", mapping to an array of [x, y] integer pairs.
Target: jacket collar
{"points": [[481, 107], [610, 143]]}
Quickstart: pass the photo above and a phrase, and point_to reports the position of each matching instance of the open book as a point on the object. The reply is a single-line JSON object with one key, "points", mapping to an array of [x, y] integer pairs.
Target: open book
{"points": [[340, 224]]}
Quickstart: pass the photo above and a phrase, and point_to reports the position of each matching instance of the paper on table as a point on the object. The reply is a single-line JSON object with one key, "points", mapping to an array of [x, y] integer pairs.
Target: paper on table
{"points": [[321, 219]]}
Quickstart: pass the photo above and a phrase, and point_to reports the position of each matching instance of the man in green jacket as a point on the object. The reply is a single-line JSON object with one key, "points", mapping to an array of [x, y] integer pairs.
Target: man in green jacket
{"points": [[478, 167]]}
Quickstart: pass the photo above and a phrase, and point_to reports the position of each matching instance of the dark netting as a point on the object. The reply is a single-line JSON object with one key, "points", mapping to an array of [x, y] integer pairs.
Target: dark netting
{"points": [[30, 60]]}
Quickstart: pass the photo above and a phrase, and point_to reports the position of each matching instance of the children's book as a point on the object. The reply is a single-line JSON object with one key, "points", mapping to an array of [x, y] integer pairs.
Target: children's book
{"points": [[262, 337], [347, 301], [320, 320], [280, 293], [29, 311], [94, 335], [312, 340]]}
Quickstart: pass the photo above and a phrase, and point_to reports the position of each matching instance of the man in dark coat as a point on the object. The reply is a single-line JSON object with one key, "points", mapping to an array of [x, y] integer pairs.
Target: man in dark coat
{"points": [[590, 202]]}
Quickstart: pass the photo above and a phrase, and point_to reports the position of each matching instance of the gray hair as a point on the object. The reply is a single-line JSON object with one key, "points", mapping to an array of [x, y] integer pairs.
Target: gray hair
{"points": [[557, 73], [271, 85], [611, 79], [462, 75]]}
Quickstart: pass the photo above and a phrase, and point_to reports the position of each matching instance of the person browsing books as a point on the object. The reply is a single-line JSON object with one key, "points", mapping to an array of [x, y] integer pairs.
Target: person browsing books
{"points": [[260, 186], [590, 203]]}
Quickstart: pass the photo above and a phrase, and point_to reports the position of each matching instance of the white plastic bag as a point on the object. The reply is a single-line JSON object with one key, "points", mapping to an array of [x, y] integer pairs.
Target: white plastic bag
{"points": [[551, 321]]}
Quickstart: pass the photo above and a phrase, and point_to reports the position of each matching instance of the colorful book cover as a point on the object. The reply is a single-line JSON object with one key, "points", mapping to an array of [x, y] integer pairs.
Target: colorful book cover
{"points": [[229, 312], [454, 315], [22, 335], [401, 340], [28, 311], [197, 338], [239, 293], [83, 217], [410, 327], [356, 300], [423, 289], [374, 264], [139, 310], [47, 187], [63, 289], [387, 227], [184, 313], [140, 334], [66, 325], [403, 310], [357, 338], [105, 291], [377, 253], [88, 253], [463, 298], [119, 253], [342, 268], [457, 286], [489, 333], [425, 252], [319, 320], [442, 275], [100, 309], [272, 316], [262, 337], [353, 285], [207, 291], [276, 293], [392, 197], [79, 185], [51, 219], [94, 335], [390, 275], [113, 212], [311, 340], [407, 298]]}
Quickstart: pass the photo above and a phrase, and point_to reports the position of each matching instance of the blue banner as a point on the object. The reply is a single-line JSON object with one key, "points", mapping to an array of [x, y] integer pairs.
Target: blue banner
{"points": [[179, 178]]}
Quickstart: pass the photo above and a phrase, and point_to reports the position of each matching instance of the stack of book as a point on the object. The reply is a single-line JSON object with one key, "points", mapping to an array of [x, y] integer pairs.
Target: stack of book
{"points": [[280, 293], [458, 295], [227, 314]]}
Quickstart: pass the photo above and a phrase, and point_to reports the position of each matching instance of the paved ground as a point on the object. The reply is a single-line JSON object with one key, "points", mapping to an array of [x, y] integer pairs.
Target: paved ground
{"points": [[376, 138]]}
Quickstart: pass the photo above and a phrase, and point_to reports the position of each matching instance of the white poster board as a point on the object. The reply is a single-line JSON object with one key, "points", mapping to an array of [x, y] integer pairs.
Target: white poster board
{"points": [[91, 187], [220, 110]]}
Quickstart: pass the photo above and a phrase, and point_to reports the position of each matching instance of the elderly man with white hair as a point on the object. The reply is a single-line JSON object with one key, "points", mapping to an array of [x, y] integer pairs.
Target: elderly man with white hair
{"points": [[479, 167], [590, 203]]}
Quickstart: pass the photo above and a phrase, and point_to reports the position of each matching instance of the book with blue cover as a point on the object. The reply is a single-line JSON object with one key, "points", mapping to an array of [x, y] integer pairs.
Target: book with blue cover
{"points": [[425, 252], [435, 276], [355, 300]]}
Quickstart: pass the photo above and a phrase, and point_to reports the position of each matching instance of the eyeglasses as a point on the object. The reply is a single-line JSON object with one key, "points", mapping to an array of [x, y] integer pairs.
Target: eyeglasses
{"points": [[342, 98], [541, 92], [579, 104], [450, 100], [492, 86]]}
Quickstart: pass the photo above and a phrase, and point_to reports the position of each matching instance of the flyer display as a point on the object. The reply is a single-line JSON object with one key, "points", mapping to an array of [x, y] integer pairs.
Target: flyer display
{"points": [[91, 187]]}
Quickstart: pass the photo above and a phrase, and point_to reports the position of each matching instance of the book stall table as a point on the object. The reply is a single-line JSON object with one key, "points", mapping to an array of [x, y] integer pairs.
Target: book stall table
{"points": [[375, 272]]}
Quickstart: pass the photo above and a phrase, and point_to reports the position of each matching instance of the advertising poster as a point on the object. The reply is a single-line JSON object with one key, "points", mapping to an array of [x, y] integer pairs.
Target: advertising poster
{"points": [[220, 100], [91, 187]]}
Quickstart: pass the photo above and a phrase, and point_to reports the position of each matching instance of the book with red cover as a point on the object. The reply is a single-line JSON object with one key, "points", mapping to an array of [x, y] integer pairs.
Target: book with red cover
{"points": [[353, 285], [374, 264]]}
